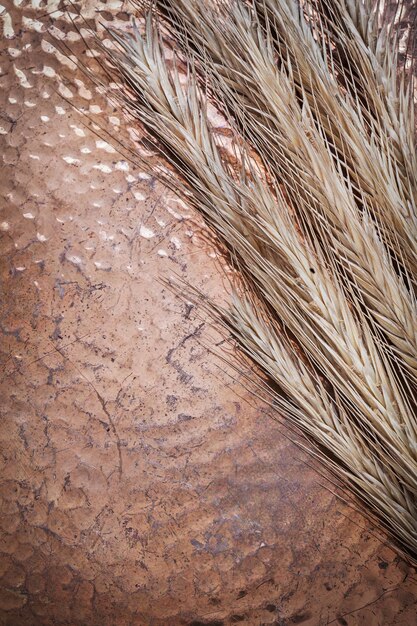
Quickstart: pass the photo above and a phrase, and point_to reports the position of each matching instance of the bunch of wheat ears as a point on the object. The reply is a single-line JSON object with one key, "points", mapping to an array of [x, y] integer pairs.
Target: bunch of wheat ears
{"points": [[317, 209]]}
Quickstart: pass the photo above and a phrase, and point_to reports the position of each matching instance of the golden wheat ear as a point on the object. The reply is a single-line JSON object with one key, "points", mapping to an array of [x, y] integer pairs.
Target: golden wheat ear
{"points": [[325, 44], [300, 232], [318, 142]]}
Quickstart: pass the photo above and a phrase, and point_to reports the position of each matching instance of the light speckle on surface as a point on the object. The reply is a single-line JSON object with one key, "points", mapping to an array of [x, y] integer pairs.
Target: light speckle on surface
{"points": [[162, 252], [8, 30], [29, 216], [176, 243], [14, 52], [71, 160], [48, 47], [65, 91], [41, 237], [48, 71], [44, 118], [4, 226], [22, 78], [139, 196], [106, 169], [32, 24], [78, 131], [104, 145], [102, 265], [82, 90], [146, 232]]}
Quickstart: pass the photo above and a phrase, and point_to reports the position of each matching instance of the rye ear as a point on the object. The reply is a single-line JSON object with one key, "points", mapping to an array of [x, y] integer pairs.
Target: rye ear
{"points": [[316, 210]]}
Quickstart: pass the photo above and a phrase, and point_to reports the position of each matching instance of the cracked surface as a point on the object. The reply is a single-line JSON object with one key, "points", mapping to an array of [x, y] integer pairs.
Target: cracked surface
{"points": [[140, 484]]}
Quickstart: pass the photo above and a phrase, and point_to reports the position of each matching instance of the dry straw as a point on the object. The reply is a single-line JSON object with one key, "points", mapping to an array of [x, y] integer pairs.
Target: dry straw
{"points": [[317, 212]]}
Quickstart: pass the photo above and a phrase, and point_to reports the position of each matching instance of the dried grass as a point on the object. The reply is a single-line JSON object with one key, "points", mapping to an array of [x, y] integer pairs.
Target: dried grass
{"points": [[323, 233]]}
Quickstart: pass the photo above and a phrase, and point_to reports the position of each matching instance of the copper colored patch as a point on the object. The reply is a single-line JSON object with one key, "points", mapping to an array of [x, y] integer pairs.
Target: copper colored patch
{"points": [[139, 483]]}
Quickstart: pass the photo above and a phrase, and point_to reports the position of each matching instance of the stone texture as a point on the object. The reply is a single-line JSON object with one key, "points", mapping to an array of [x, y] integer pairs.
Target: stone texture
{"points": [[141, 483]]}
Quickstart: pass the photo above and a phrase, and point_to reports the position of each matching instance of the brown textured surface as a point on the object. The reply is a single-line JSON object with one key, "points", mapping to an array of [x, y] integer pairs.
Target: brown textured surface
{"points": [[139, 485]]}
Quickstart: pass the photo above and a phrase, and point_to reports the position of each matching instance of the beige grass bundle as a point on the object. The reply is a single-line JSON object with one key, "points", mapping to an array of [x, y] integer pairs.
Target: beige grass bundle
{"points": [[324, 232]]}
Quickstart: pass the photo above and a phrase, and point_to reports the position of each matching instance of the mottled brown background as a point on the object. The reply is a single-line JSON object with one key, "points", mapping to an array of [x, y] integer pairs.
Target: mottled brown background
{"points": [[140, 484]]}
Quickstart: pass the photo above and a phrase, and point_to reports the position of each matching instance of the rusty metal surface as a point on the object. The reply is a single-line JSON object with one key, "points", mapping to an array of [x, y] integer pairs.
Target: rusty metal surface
{"points": [[139, 484]]}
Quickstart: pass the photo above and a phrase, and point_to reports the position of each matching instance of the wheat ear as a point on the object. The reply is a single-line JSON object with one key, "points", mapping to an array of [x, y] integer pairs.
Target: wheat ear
{"points": [[256, 226]]}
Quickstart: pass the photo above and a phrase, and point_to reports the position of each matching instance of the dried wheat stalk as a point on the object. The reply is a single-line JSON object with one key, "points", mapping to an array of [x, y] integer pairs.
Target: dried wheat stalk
{"points": [[327, 152], [322, 239]]}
